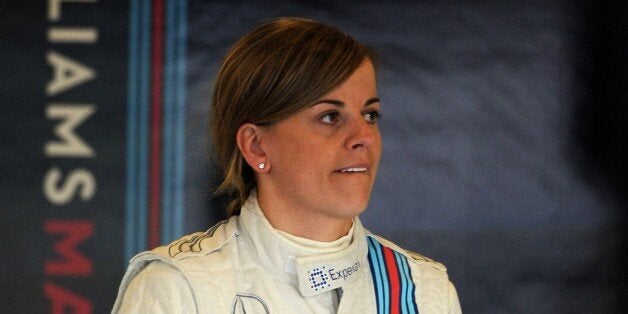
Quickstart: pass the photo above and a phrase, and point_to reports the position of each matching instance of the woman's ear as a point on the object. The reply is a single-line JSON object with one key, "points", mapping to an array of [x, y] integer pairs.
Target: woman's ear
{"points": [[249, 143]]}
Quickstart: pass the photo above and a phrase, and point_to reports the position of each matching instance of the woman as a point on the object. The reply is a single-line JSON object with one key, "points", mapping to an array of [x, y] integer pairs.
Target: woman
{"points": [[294, 125]]}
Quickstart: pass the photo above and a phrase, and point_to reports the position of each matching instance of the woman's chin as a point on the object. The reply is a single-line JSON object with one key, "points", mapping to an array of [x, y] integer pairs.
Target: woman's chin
{"points": [[351, 208]]}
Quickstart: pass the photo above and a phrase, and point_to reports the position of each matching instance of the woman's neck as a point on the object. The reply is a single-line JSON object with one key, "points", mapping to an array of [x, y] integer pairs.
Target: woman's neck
{"points": [[321, 246], [303, 223]]}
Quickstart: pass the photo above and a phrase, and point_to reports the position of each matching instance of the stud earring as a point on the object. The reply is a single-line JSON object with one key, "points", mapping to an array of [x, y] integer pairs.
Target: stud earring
{"points": [[261, 165]]}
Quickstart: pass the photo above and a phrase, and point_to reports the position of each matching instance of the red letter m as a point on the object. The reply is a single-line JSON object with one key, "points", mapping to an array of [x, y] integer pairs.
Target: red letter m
{"points": [[71, 262]]}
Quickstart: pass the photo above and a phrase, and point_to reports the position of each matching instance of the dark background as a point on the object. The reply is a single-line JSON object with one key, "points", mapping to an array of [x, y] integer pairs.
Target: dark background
{"points": [[504, 136]]}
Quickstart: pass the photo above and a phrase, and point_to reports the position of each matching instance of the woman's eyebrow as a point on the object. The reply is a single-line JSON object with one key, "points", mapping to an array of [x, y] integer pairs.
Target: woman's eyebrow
{"points": [[371, 101], [339, 103], [334, 102]]}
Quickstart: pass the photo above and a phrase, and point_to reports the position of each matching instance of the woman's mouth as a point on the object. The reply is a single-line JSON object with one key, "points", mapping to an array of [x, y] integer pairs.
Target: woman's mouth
{"points": [[358, 167], [354, 169]]}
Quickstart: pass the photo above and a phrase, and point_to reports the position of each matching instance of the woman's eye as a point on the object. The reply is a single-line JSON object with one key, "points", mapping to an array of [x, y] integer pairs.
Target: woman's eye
{"points": [[330, 118], [372, 116]]}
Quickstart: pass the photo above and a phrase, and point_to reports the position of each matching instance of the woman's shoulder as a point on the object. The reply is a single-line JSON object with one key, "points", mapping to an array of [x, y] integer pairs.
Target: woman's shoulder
{"points": [[436, 292], [413, 258], [196, 244], [161, 277], [187, 254]]}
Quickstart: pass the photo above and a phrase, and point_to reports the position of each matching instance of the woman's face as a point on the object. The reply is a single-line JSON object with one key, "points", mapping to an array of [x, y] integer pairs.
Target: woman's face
{"points": [[323, 159]]}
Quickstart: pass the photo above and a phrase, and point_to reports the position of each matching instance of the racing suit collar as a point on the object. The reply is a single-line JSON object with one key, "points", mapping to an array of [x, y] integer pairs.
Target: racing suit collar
{"points": [[311, 270]]}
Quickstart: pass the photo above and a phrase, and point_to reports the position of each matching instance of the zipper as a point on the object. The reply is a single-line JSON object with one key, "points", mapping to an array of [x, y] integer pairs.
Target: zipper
{"points": [[337, 296]]}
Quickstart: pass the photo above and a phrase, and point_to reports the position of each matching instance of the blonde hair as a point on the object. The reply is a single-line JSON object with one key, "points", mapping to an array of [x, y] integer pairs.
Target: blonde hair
{"points": [[277, 69]]}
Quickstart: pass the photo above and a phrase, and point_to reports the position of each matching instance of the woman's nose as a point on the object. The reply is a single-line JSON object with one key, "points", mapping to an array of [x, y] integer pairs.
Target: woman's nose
{"points": [[362, 134]]}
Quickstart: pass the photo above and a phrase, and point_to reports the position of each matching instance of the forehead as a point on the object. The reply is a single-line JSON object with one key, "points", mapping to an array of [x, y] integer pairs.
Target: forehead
{"points": [[361, 82]]}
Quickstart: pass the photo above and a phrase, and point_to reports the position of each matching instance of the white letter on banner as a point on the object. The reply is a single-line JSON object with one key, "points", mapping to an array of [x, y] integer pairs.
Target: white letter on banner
{"points": [[70, 144], [78, 179], [67, 73], [86, 35]]}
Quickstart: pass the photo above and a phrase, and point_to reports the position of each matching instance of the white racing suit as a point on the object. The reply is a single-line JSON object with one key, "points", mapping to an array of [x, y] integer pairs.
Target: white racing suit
{"points": [[244, 265]]}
